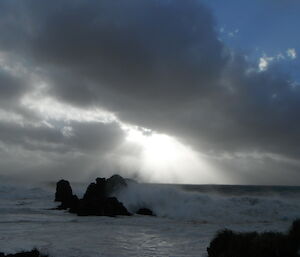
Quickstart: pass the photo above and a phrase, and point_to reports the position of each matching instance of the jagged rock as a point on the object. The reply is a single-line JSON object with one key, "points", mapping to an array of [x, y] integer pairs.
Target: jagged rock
{"points": [[71, 203], [114, 184], [96, 191], [63, 191], [113, 207], [33, 253], [252, 244], [145, 211], [96, 200], [64, 194]]}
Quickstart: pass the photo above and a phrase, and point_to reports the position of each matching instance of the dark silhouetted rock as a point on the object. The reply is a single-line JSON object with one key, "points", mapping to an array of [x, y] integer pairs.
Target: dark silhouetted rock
{"points": [[113, 207], [71, 203], [63, 191], [294, 235], [114, 184], [64, 194], [145, 211], [33, 253], [252, 244], [96, 191], [96, 200]]}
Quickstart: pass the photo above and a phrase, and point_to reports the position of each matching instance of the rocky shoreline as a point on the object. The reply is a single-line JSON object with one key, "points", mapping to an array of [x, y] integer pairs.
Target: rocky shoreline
{"points": [[97, 200]]}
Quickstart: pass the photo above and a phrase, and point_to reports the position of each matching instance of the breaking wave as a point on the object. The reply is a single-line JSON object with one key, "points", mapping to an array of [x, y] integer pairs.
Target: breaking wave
{"points": [[168, 201]]}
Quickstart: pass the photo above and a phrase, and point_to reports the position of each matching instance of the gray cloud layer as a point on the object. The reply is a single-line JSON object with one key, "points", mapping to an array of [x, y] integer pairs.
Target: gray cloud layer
{"points": [[157, 64]]}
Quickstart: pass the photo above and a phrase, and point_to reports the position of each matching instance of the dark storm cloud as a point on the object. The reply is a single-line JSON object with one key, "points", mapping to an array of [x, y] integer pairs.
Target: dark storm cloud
{"points": [[95, 136], [263, 170], [74, 136], [11, 87], [157, 64], [254, 112], [138, 49], [74, 150]]}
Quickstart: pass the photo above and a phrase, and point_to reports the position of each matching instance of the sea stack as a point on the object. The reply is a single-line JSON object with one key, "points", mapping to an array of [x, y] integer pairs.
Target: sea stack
{"points": [[97, 199]]}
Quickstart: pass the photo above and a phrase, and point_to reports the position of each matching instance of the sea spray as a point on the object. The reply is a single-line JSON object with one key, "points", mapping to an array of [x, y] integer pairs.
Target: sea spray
{"points": [[27, 221], [172, 202]]}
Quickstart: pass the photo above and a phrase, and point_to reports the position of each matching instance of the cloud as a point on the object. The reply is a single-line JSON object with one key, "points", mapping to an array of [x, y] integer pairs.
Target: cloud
{"points": [[143, 50], [264, 63], [11, 87], [47, 152], [156, 64], [291, 52], [255, 168]]}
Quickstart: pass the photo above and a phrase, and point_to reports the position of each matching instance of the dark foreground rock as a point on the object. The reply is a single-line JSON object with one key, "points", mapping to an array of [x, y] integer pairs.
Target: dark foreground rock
{"points": [[64, 194], [145, 211], [97, 199], [33, 253], [252, 244]]}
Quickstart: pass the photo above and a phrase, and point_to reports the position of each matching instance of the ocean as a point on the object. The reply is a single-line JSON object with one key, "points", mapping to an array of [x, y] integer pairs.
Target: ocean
{"points": [[188, 217]]}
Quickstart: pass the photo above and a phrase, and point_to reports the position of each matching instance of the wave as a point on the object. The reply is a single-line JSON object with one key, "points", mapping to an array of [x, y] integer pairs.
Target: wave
{"points": [[18, 192], [24, 200], [168, 201]]}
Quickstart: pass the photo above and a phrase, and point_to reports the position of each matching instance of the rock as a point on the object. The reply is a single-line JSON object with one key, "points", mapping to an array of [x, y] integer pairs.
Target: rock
{"points": [[64, 194], [71, 204], [114, 184], [252, 244], [63, 191], [113, 207], [33, 253], [96, 200], [294, 235], [145, 211], [96, 191]]}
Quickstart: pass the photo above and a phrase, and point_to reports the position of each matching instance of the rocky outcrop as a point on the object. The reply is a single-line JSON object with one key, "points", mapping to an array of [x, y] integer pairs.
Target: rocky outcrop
{"points": [[145, 211], [63, 191], [33, 253], [64, 194], [252, 244], [114, 184], [96, 200]]}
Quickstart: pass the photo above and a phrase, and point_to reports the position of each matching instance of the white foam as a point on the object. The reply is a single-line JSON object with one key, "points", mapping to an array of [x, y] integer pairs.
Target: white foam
{"points": [[167, 201], [27, 222]]}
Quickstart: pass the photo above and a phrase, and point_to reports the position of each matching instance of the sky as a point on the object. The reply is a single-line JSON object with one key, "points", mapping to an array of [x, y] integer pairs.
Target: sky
{"points": [[169, 91]]}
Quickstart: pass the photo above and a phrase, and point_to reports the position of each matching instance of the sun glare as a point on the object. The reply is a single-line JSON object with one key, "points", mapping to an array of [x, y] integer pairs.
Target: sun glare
{"points": [[165, 159], [157, 147]]}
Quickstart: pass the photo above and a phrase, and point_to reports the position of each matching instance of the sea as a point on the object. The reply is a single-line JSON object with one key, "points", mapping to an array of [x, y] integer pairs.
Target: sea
{"points": [[187, 219]]}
